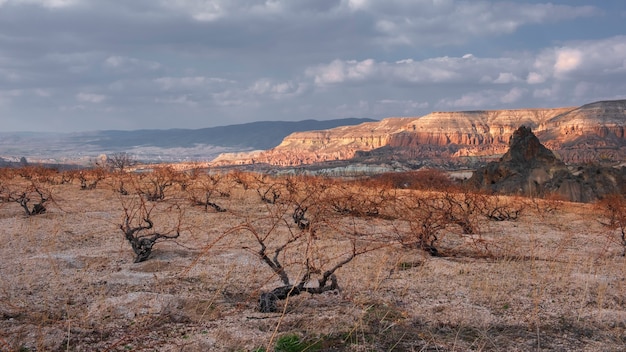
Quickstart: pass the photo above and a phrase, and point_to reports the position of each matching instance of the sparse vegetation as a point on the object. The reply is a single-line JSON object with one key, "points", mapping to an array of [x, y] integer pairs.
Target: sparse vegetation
{"points": [[120, 162], [613, 207], [23, 194], [329, 264], [138, 229]]}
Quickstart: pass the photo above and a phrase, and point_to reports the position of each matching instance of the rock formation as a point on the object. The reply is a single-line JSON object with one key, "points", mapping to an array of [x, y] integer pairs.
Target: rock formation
{"points": [[577, 135], [529, 168]]}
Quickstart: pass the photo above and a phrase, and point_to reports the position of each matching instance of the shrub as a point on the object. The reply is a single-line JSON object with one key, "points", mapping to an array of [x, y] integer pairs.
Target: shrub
{"points": [[613, 207]]}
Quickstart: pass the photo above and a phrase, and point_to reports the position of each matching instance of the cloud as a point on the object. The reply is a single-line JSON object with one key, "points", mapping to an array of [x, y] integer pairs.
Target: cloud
{"points": [[7, 96], [402, 22], [277, 90], [90, 98], [45, 3], [186, 100], [514, 95], [190, 82], [506, 77], [430, 71], [590, 59], [211, 62], [128, 63], [535, 78], [339, 71], [483, 99]]}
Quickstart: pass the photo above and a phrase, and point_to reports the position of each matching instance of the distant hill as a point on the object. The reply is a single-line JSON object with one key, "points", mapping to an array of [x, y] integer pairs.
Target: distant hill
{"points": [[172, 145], [254, 135]]}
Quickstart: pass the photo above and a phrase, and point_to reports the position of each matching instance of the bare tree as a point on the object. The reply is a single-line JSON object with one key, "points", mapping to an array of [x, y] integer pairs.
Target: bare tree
{"points": [[89, 179], [304, 243], [137, 227], [498, 208], [425, 219], [613, 207], [204, 192], [428, 216], [269, 192], [120, 162], [157, 181], [24, 197]]}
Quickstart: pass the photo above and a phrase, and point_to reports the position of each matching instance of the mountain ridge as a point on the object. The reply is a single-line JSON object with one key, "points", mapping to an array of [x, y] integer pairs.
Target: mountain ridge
{"points": [[577, 134], [171, 145]]}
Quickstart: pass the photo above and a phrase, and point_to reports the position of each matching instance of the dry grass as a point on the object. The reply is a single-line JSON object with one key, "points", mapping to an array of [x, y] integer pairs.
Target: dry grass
{"points": [[552, 280]]}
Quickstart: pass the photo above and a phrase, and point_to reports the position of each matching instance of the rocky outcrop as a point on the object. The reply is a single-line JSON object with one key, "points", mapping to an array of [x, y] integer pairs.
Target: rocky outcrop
{"points": [[588, 133], [310, 147], [523, 169], [529, 168]]}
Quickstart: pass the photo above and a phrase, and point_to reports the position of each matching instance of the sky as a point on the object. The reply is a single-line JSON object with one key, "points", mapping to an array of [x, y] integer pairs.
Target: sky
{"points": [[82, 65]]}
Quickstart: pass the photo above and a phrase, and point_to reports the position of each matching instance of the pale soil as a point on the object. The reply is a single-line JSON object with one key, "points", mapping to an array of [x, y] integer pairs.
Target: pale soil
{"points": [[551, 281]]}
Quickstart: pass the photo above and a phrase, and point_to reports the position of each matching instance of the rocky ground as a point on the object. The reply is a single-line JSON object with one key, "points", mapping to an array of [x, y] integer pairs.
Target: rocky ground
{"points": [[552, 280]]}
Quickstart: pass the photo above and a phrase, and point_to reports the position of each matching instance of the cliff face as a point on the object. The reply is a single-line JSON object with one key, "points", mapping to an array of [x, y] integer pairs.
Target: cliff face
{"points": [[339, 143], [590, 132], [529, 168]]}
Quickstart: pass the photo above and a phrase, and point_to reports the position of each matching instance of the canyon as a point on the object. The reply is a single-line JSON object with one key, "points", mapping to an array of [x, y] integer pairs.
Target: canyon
{"points": [[589, 133]]}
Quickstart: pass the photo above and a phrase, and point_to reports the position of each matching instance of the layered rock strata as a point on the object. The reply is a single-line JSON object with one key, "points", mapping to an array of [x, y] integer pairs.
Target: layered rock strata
{"points": [[588, 133]]}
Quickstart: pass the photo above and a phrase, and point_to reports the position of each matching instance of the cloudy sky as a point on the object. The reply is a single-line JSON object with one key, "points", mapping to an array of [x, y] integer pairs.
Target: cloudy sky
{"points": [[76, 65]]}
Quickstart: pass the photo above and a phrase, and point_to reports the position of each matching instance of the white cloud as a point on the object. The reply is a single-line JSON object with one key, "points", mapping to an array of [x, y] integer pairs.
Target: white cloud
{"points": [[169, 83], [567, 60], [401, 22], [45, 3], [483, 99], [435, 70], [506, 77], [215, 10], [479, 99], [583, 58], [535, 78], [178, 100], [514, 95], [6, 96], [277, 90], [90, 97], [355, 5], [128, 63]]}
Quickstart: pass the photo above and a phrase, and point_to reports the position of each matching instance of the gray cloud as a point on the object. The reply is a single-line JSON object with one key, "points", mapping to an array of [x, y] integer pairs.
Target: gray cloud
{"points": [[100, 64]]}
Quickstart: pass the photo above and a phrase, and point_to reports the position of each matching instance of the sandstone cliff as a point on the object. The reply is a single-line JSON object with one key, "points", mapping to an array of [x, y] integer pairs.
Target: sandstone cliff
{"points": [[590, 132]]}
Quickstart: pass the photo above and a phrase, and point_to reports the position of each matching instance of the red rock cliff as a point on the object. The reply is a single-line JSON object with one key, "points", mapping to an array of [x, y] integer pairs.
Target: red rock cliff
{"points": [[576, 134]]}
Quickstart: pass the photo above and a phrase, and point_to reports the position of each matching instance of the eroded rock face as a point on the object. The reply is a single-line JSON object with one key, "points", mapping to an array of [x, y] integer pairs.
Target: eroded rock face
{"points": [[524, 168], [588, 133], [531, 169]]}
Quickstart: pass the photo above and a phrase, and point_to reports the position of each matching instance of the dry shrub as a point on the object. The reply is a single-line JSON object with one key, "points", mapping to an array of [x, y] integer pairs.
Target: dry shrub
{"points": [[502, 208], [302, 239], [361, 200], [38, 173], [613, 209], [423, 179], [426, 217], [31, 196], [90, 178], [205, 188], [155, 183], [138, 227]]}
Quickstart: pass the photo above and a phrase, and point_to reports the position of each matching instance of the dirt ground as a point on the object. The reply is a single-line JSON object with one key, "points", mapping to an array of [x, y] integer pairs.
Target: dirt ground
{"points": [[552, 280]]}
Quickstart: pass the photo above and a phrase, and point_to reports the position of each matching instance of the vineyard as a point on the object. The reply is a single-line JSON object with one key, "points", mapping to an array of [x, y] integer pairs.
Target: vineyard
{"points": [[166, 260]]}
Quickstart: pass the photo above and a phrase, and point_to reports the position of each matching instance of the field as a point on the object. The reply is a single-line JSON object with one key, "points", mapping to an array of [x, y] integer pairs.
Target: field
{"points": [[363, 266]]}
